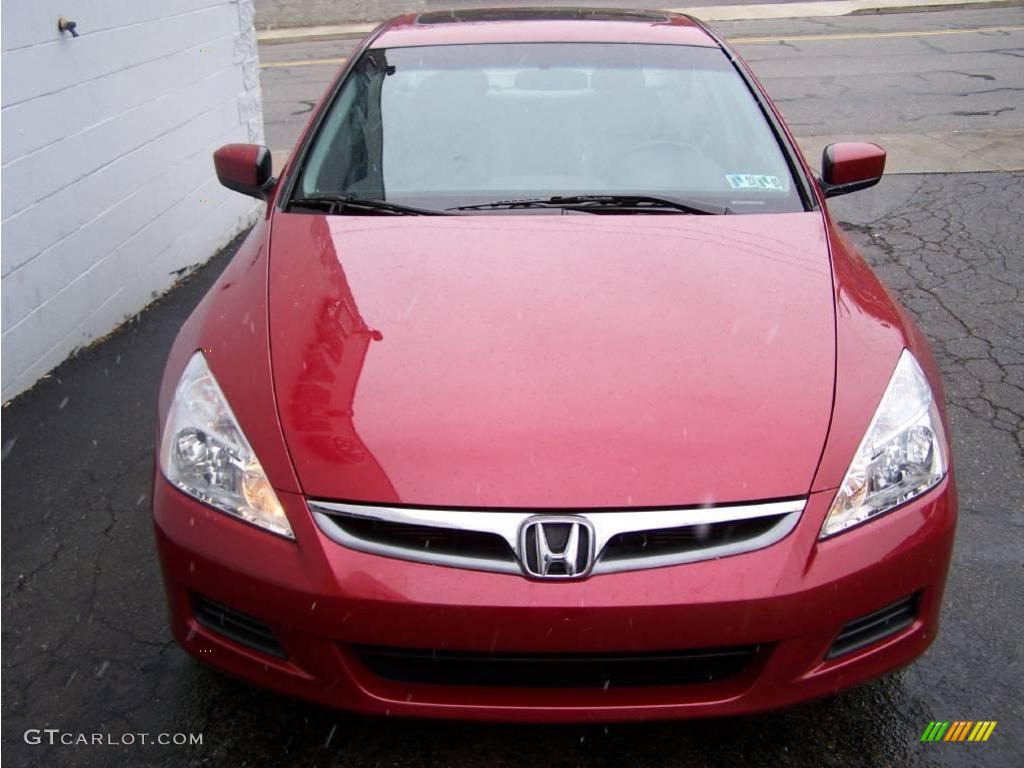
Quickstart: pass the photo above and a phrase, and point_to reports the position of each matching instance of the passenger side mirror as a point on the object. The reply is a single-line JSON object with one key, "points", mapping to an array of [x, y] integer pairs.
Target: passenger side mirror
{"points": [[850, 166], [245, 168]]}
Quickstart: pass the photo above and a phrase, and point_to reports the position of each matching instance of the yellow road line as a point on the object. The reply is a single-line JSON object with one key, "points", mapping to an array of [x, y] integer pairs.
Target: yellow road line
{"points": [[302, 63], [872, 35], [735, 41]]}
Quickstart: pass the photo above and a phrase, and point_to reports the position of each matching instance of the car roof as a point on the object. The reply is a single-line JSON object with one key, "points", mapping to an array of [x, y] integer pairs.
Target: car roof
{"points": [[542, 25]]}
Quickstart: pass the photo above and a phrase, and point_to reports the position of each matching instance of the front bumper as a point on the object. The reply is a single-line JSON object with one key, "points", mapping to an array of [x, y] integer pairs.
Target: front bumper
{"points": [[323, 601]]}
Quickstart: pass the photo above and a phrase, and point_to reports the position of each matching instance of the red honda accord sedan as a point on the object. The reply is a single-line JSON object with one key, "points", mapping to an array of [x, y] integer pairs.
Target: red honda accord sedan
{"points": [[547, 389]]}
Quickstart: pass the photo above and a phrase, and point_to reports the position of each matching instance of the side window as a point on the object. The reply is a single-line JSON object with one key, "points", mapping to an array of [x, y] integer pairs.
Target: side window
{"points": [[347, 155]]}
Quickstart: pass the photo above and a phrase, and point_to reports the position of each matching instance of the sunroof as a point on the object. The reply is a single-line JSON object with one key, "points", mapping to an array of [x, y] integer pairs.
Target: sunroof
{"points": [[538, 14]]}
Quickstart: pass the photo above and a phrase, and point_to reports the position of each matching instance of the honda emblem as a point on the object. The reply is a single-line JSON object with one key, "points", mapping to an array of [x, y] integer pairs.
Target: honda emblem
{"points": [[556, 547]]}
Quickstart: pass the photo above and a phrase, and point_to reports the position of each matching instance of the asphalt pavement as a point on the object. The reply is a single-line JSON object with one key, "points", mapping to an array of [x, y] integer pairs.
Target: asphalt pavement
{"points": [[86, 648]]}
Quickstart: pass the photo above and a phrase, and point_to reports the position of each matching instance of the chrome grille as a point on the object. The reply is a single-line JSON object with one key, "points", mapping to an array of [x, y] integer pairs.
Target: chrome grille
{"points": [[624, 540]]}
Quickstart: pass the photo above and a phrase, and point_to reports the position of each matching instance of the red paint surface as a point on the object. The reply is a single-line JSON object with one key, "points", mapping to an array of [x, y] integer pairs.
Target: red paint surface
{"points": [[852, 161], [676, 30], [552, 361], [793, 597], [239, 163]]}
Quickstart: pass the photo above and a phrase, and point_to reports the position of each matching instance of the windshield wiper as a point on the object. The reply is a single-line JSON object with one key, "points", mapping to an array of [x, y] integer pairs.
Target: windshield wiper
{"points": [[333, 204], [601, 204]]}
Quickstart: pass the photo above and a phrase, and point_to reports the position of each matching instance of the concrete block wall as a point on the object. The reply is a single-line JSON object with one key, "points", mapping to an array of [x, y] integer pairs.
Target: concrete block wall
{"points": [[108, 187]]}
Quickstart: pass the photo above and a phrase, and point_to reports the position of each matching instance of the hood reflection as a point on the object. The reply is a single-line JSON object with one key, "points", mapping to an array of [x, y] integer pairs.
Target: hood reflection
{"points": [[321, 403]]}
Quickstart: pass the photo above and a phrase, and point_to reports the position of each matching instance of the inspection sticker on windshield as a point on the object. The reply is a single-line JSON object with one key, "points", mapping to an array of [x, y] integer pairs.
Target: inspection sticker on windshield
{"points": [[752, 181]]}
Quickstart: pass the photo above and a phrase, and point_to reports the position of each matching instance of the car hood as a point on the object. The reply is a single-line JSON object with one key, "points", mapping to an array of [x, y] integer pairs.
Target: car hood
{"points": [[575, 361]]}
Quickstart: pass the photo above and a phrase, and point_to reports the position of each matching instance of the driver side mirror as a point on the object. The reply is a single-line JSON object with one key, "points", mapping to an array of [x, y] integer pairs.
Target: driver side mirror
{"points": [[850, 166], [245, 168]]}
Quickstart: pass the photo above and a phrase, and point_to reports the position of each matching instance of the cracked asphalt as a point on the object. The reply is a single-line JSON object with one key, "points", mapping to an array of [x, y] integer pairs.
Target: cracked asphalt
{"points": [[86, 648]]}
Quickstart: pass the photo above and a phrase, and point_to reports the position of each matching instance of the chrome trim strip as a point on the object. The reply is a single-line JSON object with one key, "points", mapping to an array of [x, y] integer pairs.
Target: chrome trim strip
{"points": [[607, 524]]}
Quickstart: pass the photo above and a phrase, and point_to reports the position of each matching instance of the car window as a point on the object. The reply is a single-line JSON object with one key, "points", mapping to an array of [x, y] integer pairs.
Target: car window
{"points": [[438, 126]]}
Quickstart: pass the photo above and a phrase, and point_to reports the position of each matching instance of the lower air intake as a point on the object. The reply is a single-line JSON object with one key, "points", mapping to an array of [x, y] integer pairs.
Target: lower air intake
{"points": [[557, 670], [243, 629], [874, 627]]}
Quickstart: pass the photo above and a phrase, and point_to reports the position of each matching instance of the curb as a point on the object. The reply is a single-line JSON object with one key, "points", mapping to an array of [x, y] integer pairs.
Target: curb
{"points": [[313, 34], [795, 10]]}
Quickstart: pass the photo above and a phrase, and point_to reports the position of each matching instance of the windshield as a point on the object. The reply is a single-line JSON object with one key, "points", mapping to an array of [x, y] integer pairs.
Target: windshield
{"points": [[444, 126]]}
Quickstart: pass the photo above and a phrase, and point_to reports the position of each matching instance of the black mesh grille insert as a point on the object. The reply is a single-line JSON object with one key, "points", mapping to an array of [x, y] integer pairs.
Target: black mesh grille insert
{"points": [[235, 625], [669, 541], [447, 541], [558, 670], [875, 626], [538, 14]]}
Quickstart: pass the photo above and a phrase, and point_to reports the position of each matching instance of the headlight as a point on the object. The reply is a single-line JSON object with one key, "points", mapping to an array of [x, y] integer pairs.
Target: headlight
{"points": [[205, 454], [902, 455]]}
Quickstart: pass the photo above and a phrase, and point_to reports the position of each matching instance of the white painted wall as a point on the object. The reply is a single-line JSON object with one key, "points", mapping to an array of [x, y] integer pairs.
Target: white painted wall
{"points": [[108, 188]]}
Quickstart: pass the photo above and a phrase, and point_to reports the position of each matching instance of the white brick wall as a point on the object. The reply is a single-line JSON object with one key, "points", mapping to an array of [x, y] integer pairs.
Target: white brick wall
{"points": [[107, 177]]}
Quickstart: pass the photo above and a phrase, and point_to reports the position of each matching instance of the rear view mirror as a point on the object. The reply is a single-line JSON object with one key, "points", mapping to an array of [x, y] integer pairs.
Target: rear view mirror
{"points": [[850, 166], [245, 168]]}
